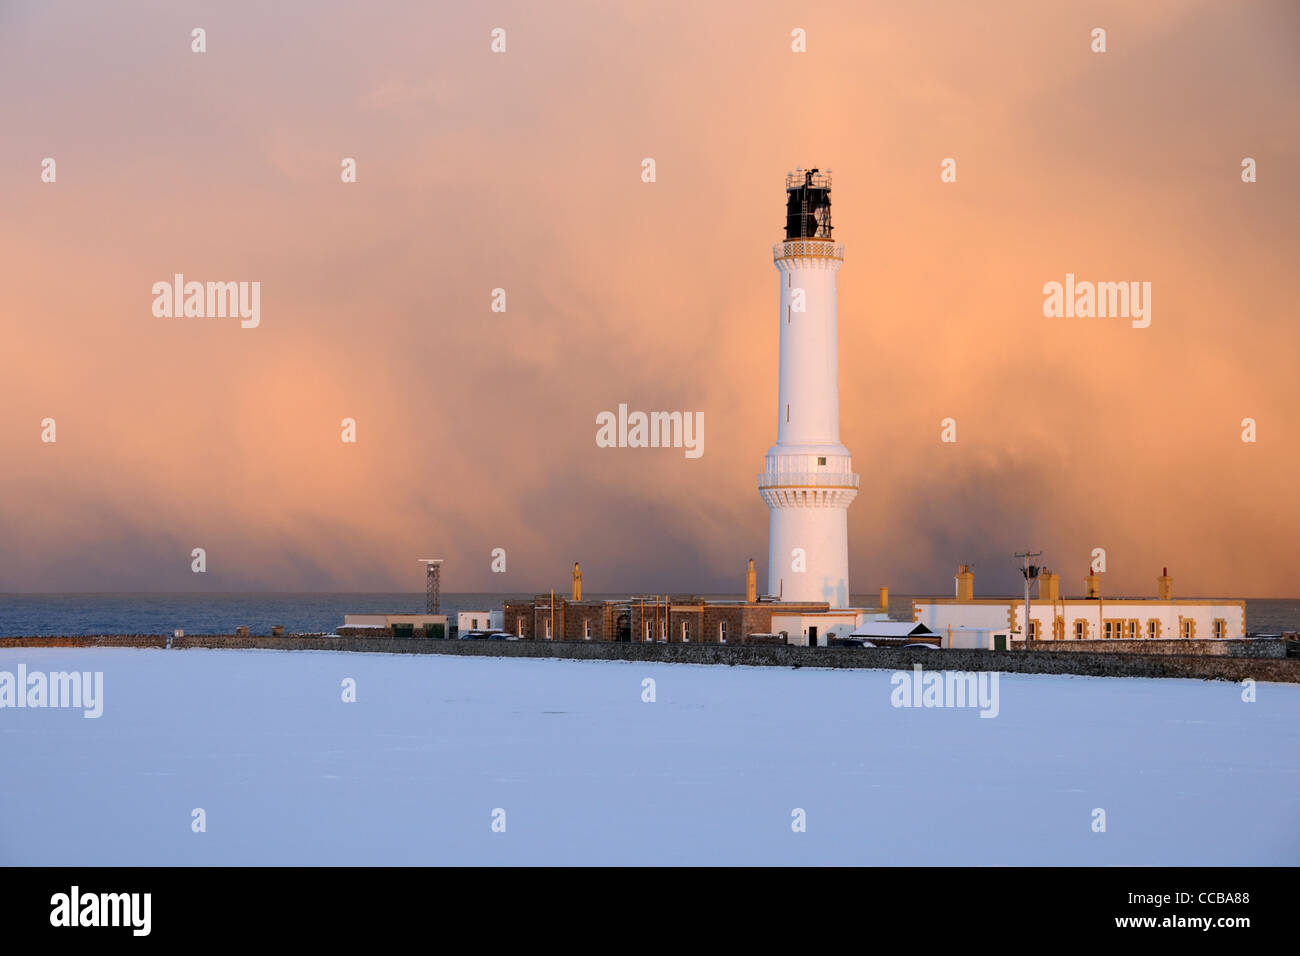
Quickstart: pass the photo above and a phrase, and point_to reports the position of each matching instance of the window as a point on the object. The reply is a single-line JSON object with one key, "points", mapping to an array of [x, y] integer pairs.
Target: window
{"points": [[722, 631], [1187, 627], [787, 413], [1080, 630], [649, 634], [663, 629], [548, 628], [821, 461], [586, 630], [519, 627], [1220, 628], [1131, 631], [1033, 630], [1153, 629], [686, 633]]}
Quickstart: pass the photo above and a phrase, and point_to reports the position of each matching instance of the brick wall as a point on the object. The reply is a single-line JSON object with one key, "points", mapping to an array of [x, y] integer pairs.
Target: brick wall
{"points": [[569, 618], [741, 620], [514, 611], [702, 623], [592, 613], [681, 610], [544, 616]]}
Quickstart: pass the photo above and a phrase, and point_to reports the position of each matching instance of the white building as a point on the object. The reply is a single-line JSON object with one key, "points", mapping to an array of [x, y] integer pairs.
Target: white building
{"points": [[479, 620], [808, 483], [388, 620], [1091, 617], [819, 629]]}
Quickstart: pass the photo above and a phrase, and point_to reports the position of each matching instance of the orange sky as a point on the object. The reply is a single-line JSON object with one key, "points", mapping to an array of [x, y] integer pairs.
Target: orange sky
{"points": [[522, 171]]}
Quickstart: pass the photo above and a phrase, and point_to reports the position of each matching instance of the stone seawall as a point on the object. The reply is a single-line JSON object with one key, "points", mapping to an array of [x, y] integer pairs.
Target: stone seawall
{"points": [[1263, 647], [82, 640], [1095, 664], [781, 655]]}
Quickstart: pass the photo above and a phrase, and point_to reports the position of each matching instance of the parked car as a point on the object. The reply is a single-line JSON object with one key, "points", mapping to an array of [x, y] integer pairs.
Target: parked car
{"points": [[472, 635], [501, 636]]}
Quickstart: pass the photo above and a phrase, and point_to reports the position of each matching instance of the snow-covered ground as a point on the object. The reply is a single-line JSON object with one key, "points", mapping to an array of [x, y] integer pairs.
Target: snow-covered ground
{"points": [[588, 773]]}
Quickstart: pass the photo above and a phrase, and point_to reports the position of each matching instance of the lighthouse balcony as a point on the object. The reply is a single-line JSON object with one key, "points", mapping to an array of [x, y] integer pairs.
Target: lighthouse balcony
{"points": [[807, 479], [810, 248], [820, 491]]}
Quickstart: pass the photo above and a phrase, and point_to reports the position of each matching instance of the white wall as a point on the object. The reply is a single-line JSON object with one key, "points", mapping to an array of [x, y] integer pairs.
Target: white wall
{"points": [[796, 626], [969, 637], [365, 620], [1167, 613], [938, 617], [993, 615], [823, 534], [809, 350]]}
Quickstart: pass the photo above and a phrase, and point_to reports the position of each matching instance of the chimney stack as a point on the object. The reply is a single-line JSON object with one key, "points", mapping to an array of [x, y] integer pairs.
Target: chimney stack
{"points": [[751, 584], [965, 583], [577, 582], [884, 599], [1049, 586], [1165, 587], [1093, 585]]}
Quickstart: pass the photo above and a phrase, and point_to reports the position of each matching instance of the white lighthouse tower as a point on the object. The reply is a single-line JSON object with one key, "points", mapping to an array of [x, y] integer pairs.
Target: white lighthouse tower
{"points": [[809, 481]]}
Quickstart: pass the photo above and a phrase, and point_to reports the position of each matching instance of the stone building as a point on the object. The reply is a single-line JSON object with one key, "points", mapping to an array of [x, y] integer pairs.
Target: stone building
{"points": [[1094, 616], [681, 618], [545, 618]]}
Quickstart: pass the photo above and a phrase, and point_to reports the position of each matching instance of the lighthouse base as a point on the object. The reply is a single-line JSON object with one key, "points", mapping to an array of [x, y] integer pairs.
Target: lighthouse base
{"points": [[808, 554]]}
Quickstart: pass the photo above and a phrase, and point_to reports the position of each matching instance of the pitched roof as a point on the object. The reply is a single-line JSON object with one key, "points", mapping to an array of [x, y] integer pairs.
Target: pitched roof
{"points": [[890, 629]]}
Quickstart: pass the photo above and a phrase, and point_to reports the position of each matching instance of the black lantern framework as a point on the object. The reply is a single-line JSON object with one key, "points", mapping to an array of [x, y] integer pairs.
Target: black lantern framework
{"points": [[808, 204]]}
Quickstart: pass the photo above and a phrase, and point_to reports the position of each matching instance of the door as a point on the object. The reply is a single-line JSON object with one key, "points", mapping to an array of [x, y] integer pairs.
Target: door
{"points": [[812, 637], [999, 642]]}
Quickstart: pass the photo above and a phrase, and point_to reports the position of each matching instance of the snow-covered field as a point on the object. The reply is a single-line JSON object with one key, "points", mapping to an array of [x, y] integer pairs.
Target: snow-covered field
{"points": [[587, 773]]}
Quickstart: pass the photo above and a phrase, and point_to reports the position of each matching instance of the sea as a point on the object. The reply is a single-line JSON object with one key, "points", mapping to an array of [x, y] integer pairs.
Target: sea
{"points": [[51, 615]]}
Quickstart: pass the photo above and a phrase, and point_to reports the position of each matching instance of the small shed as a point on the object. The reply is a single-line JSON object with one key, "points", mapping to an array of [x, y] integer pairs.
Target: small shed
{"points": [[894, 633]]}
